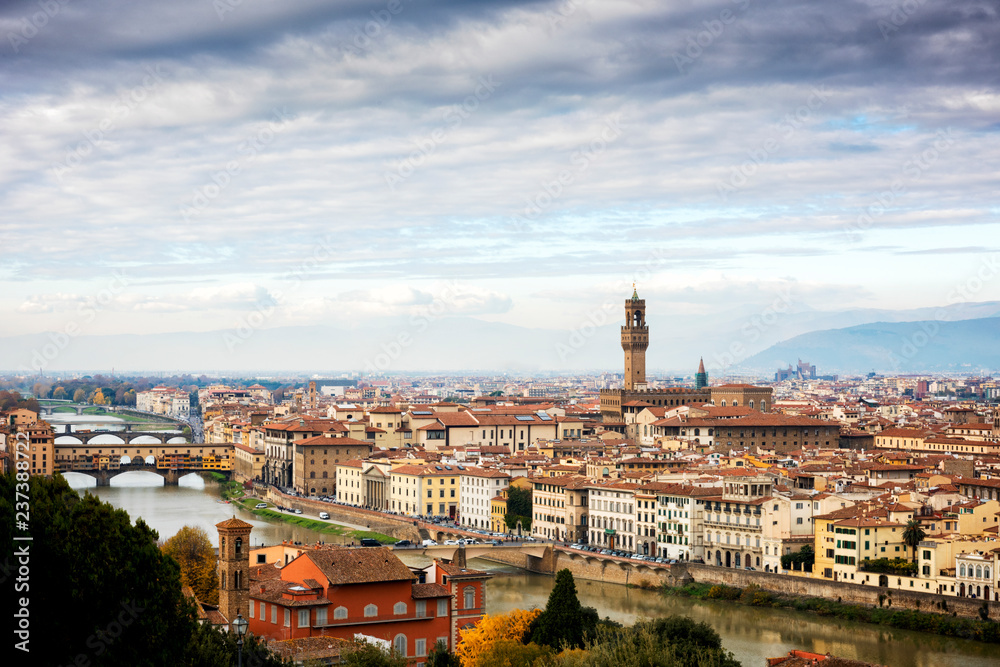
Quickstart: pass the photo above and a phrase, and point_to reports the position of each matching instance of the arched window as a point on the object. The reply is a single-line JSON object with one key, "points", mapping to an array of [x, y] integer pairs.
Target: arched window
{"points": [[697, 431], [399, 608], [751, 404], [223, 586], [371, 610], [340, 613], [763, 406], [736, 403], [723, 402], [986, 572], [470, 597], [238, 579], [399, 643], [961, 570], [239, 545], [312, 475], [324, 474], [979, 572]]}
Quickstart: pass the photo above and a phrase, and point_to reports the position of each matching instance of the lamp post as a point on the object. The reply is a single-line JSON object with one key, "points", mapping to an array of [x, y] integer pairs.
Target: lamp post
{"points": [[241, 629]]}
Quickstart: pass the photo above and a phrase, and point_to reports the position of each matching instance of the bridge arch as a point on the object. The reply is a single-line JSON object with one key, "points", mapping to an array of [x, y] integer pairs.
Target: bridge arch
{"points": [[145, 440], [177, 440], [68, 440], [106, 439]]}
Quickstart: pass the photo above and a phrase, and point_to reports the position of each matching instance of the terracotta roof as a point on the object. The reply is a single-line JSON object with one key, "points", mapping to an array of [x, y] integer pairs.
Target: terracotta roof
{"points": [[234, 523], [429, 591], [359, 565]]}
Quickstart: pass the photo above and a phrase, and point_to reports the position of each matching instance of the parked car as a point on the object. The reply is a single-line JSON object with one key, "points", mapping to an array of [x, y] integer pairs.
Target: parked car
{"points": [[370, 542], [261, 506], [451, 543], [496, 543], [428, 543], [403, 543], [297, 510], [324, 515]]}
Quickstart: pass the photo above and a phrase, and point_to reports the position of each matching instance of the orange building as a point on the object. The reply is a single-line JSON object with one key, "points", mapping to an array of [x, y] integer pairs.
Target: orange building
{"points": [[367, 592]]}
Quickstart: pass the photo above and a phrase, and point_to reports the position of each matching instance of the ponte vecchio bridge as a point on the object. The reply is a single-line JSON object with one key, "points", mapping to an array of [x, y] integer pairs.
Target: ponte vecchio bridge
{"points": [[164, 454]]}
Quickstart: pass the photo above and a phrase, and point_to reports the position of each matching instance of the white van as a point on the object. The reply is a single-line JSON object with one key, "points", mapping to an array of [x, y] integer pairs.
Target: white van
{"points": [[324, 515], [428, 543]]}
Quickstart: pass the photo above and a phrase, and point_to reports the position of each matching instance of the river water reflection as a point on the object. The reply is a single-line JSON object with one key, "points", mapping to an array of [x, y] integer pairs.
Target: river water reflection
{"points": [[752, 634]]}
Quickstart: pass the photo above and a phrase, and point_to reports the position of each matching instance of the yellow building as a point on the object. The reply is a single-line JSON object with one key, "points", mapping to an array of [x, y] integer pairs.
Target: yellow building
{"points": [[846, 538], [428, 490]]}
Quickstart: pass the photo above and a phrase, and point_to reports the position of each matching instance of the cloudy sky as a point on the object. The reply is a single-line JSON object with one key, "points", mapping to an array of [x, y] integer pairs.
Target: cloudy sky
{"points": [[185, 166]]}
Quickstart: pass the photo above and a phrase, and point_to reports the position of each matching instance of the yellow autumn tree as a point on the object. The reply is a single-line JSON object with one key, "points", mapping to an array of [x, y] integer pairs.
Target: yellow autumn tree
{"points": [[476, 642], [191, 548], [97, 398]]}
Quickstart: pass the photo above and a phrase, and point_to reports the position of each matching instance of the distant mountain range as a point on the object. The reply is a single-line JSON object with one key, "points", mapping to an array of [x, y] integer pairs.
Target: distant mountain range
{"points": [[747, 338], [894, 347]]}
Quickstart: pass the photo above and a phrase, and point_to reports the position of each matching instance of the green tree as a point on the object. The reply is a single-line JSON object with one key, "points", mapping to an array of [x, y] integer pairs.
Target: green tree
{"points": [[803, 559], [193, 551], [370, 655], [59, 393], [512, 653], [913, 535], [208, 647], [565, 622], [99, 587], [440, 657], [79, 395], [518, 508], [667, 642]]}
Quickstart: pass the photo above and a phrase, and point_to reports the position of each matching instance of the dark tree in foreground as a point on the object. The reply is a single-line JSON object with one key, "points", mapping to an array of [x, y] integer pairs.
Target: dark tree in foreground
{"points": [[99, 590], [565, 622]]}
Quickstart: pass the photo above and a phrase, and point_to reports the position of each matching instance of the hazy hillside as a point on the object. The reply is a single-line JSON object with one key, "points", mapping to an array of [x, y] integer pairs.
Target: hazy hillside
{"points": [[900, 347]]}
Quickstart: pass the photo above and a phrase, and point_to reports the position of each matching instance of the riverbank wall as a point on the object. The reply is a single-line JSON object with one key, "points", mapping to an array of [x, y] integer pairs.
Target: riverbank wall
{"points": [[643, 574], [401, 528]]}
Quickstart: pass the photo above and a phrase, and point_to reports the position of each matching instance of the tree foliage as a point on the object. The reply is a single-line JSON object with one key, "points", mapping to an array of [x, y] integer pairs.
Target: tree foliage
{"points": [[99, 586], [803, 559], [913, 535], [370, 655], [564, 623], [193, 551], [674, 641], [513, 625], [79, 395], [440, 657], [101, 591], [518, 508], [512, 653], [208, 647]]}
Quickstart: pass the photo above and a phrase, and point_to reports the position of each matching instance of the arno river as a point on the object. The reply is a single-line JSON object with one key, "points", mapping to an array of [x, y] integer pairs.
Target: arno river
{"points": [[752, 634]]}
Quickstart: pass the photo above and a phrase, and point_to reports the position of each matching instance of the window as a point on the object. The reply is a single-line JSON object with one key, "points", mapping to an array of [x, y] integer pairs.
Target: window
{"points": [[421, 608], [420, 647], [371, 610], [321, 615], [303, 618], [263, 611], [399, 608], [399, 643], [470, 597], [253, 606], [274, 614], [288, 618], [442, 608], [799, 521], [340, 613]]}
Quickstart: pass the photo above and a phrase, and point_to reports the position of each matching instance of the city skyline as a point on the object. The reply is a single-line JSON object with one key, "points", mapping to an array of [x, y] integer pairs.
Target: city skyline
{"points": [[206, 166]]}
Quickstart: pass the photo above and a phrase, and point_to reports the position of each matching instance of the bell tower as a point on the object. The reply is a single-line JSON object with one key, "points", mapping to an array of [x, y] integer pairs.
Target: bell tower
{"points": [[234, 567], [635, 340]]}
